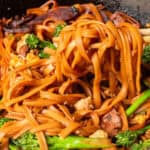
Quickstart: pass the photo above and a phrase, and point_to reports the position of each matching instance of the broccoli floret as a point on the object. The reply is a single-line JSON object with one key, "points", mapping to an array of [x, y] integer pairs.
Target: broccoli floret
{"points": [[27, 141], [32, 41], [128, 138], [142, 145], [137, 146], [43, 55], [3, 121], [44, 44], [58, 29], [13, 147], [146, 55]]}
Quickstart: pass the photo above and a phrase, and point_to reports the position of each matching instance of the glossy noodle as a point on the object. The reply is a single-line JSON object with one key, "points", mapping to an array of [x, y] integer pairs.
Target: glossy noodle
{"points": [[95, 69]]}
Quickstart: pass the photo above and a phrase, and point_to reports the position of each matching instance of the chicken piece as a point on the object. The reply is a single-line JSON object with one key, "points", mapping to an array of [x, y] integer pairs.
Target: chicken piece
{"points": [[21, 42], [23, 50], [84, 103], [111, 122]]}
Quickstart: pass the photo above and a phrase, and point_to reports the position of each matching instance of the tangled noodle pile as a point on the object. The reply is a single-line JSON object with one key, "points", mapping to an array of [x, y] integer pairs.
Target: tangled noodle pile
{"points": [[92, 70]]}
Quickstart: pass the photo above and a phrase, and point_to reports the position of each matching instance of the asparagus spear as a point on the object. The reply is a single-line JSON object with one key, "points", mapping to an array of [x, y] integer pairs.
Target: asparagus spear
{"points": [[29, 141], [76, 142], [138, 102]]}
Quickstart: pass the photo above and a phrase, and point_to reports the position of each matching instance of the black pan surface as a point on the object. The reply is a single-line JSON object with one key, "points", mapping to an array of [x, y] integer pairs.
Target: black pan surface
{"points": [[139, 9]]}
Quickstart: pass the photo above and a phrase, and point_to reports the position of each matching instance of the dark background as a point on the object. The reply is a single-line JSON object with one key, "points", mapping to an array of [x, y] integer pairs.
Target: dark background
{"points": [[10, 8], [139, 9]]}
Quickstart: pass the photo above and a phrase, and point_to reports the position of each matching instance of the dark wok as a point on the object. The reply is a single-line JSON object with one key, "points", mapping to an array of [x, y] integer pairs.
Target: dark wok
{"points": [[138, 9]]}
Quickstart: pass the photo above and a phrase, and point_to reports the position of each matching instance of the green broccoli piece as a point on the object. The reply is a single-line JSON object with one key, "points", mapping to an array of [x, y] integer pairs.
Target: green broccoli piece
{"points": [[32, 41], [44, 44], [43, 55], [27, 141], [13, 147], [146, 55], [58, 29], [77, 142], [127, 138], [3, 121], [137, 146], [142, 145]]}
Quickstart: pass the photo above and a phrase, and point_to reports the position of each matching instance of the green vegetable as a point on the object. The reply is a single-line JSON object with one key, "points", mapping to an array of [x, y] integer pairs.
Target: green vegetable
{"points": [[142, 145], [28, 141], [33, 41], [43, 55], [59, 29], [13, 147], [76, 142], [127, 138], [138, 102], [146, 55], [44, 44], [3, 121]]}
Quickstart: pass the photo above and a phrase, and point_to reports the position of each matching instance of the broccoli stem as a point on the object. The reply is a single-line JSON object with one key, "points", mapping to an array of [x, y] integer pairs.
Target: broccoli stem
{"points": [[77, 142], [59, 29], [28, 141], [143, 130], [13, 147], [138, 102]]}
